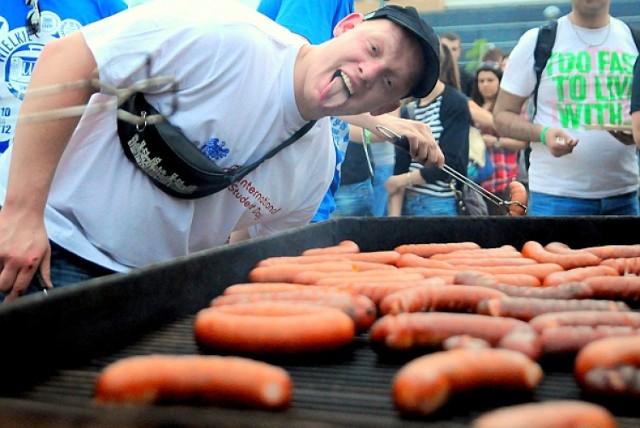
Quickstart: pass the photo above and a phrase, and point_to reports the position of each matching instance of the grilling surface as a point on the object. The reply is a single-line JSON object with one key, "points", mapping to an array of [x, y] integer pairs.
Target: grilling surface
{"points": [[350, 387]]}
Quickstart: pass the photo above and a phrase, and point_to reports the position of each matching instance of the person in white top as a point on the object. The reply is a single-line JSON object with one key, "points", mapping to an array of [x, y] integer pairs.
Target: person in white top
{"points": [[574, 169], [243, 84]]}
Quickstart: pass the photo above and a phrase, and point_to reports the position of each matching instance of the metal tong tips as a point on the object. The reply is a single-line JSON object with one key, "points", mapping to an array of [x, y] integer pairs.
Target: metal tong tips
{"points": [[402, 142]]}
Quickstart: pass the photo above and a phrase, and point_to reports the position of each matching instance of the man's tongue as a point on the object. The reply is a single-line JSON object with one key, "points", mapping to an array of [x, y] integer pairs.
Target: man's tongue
{"points": [[336, 91]]}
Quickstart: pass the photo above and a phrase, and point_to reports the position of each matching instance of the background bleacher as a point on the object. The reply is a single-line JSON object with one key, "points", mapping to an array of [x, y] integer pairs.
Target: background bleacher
{"points": [[503, 25]]}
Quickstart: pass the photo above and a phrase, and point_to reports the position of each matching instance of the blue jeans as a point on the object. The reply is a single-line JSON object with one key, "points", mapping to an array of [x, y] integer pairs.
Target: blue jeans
{"points": [[541, 204], [354, 200], [419, 204], [67, 268], [380, 196]]}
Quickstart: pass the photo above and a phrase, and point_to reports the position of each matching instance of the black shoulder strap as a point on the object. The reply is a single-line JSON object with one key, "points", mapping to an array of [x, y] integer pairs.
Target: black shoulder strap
{"points": [[544, 45], [635, 33]]}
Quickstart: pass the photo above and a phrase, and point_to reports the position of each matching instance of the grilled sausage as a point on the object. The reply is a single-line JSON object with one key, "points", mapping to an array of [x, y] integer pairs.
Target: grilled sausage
{"points": [[343, 247], [535, 250], [360, 308], [426, 383], [419, 329], [273, 328], [610, 366], [578, 274], [429, 249], [210, 379], [548, 414], [585, 318], [520, 196], [443, 298], [525, 308]]}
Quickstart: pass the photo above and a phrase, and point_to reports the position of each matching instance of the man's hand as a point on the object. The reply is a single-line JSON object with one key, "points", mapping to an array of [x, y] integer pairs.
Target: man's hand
{"points": [[423, 147], [559, 142], [624, 137], [24, 249]]}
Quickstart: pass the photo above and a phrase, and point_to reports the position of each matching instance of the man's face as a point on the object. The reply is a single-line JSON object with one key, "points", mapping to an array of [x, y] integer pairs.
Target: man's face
{"points": [[591, 8], [368, 67], [454, 47]]}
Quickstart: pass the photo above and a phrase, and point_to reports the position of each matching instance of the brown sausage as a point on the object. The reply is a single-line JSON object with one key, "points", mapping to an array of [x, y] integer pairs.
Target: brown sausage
{"points": [[262, 287], [624, 265], [610, 366], [505, 251], [419, 329], [343, 247], [539, 270], [570, 339], [489, 261], [429, 249], [273, 328], [525, 308], [443, 298], [377, 289], [518, 194], [548, 414], [360, 308], [571, 290], [625, 287], [413, 260], [285, 260], [426, 383], [288, 272], [614, 251], [210, 379], [315, 277], [535, 250], [578, 274], [585, 318], [469, 277]]}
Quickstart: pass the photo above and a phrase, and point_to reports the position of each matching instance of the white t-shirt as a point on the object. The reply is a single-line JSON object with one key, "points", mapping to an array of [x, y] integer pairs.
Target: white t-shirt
{"points": [[580, 86], [234, 73]]}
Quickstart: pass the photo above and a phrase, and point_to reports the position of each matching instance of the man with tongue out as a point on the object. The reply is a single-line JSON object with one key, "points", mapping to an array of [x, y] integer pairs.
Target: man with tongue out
{"points": [[242, 84]]}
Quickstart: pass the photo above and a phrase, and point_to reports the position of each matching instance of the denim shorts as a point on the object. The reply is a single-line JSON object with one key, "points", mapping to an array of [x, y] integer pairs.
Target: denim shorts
{"points": [[541, 204], [354, 200], [420, 204]]}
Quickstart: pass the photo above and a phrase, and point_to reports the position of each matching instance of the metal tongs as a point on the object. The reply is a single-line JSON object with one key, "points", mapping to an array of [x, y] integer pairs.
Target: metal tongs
{"points": [[402, 142]]}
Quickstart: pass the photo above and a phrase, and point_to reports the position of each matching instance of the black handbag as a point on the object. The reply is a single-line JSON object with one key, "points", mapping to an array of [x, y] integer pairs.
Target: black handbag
{"points": [[172, 162]]}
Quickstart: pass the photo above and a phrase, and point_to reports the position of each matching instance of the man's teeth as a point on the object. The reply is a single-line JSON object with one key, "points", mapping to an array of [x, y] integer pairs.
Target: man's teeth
{"points": [[347, 83]]}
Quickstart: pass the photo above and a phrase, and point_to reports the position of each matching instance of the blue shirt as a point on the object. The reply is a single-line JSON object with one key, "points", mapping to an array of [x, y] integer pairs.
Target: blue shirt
{"points": [[315, 21]]}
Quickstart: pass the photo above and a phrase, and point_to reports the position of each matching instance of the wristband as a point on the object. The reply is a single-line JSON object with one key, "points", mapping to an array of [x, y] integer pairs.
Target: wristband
{"points": [[409, 182], [366, 136], [497, 144], [543, 134]]}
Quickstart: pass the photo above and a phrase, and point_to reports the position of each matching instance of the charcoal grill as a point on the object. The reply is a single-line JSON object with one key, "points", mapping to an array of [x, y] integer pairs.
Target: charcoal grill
{"points": [[53, 347]]}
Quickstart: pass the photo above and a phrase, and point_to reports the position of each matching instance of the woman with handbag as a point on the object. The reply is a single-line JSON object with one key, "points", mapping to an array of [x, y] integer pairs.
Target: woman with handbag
{"points": [[502, 152], [418, 191]]}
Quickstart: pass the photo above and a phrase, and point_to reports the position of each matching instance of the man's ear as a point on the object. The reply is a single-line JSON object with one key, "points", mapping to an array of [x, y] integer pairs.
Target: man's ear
{"points": [[388, 108], [347, 23]]}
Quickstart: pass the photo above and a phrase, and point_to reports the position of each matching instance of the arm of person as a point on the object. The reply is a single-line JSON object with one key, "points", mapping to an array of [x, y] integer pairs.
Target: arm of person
{"points": [[635, 123], [510, 123], [37, 148], [396, 186], [481, 118]]}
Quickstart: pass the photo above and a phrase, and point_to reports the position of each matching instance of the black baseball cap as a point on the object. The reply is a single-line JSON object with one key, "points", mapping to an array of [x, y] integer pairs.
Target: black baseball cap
{"points": [[409, 19]]}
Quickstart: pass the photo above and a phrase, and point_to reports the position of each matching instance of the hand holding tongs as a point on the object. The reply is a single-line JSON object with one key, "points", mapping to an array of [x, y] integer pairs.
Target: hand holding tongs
{"points": [[402, 142]]}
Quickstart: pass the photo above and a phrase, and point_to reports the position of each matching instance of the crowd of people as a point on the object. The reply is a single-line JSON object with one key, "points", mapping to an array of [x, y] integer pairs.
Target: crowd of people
{"points": [[316, 80]]}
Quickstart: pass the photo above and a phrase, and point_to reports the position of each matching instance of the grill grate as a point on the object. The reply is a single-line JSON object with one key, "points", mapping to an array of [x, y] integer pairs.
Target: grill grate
{"points": [[351, 387]]}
